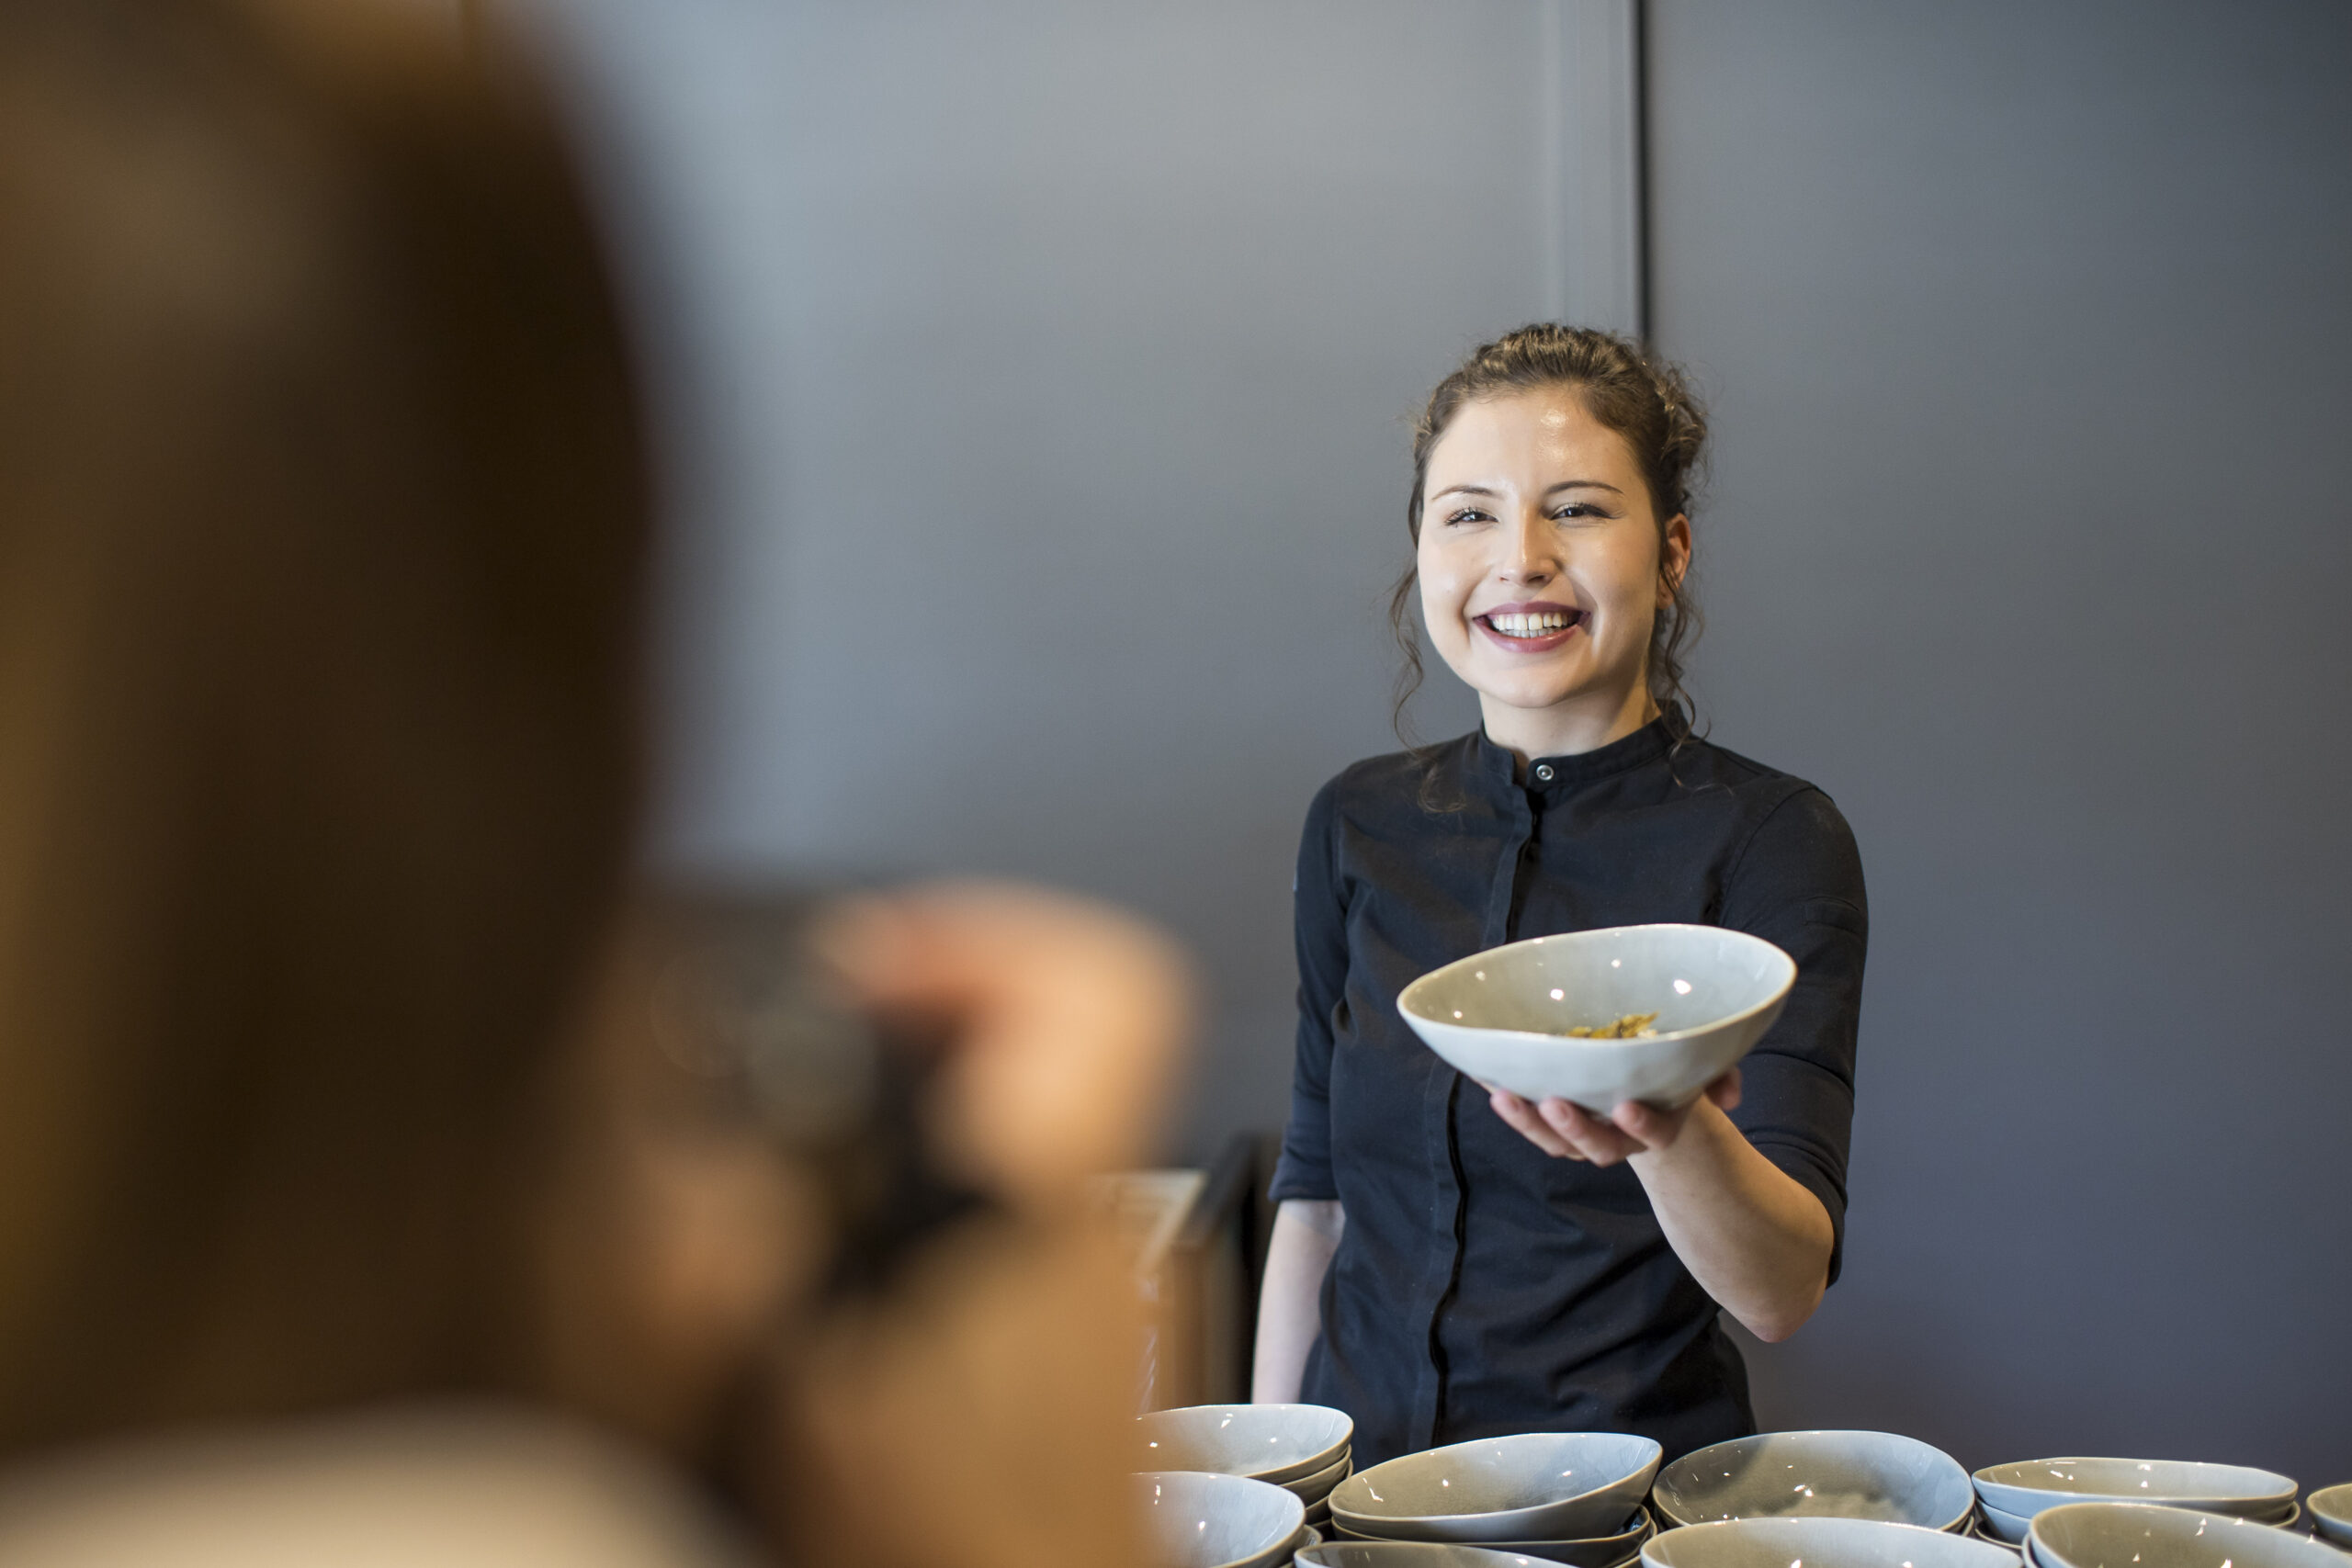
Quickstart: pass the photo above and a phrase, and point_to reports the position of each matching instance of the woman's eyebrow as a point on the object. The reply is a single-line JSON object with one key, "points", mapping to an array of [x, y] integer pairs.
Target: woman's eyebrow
{"points": [[1583, 484], [1464, 489]]}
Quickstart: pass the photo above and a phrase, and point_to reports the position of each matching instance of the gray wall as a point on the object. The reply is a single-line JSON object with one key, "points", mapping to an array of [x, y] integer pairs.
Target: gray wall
{"points": [[2029, 329], [1041, 375]]}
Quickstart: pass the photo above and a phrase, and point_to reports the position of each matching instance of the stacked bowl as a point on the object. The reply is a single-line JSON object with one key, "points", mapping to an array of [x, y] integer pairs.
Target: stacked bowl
{"points": [[1819, 1541], [1239, 1485], [2157, 1535], [2331, 1511], [1557, 1497], [2015, 1494]]}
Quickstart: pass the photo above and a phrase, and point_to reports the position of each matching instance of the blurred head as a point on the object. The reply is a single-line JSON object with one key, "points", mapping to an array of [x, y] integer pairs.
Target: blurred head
{"points": [[323, 517], [1552, 475]]}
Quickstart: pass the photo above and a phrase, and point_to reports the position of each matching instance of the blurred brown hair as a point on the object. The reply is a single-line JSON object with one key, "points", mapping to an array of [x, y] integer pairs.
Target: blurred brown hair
{"points": [[321, 512]]}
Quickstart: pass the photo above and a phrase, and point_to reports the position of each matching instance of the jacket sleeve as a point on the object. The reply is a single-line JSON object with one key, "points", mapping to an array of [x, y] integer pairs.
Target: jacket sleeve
{"points": [[1320, 932], [1799, 884]]}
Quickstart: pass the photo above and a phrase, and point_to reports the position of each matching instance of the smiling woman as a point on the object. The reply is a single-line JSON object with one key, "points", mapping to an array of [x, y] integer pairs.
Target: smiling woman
{"points": [[1445, 1271]]}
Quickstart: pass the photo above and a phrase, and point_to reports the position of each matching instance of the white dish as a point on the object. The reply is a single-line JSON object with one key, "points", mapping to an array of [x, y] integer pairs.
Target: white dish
{"points": [[2005, 1526], [1530, 1486], [2153, 1535], [1857, 1475], [1595, 1552], [1411, 1554], [2028, 1486], [1265, 1443], [1196, 1519], [1502, 1016], [1314, 1488], [1819, 1542], [2331, 1509]]}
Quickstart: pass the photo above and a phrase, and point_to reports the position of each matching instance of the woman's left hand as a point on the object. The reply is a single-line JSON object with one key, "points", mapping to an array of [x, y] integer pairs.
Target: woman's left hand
{"points": [[1569, 1132]]}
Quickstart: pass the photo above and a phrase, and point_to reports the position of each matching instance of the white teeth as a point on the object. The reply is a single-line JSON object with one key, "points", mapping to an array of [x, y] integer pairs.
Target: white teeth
{"points": [[1539, 625]]}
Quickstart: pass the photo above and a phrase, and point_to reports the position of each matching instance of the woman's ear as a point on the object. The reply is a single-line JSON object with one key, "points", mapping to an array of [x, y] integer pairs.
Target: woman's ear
{"points": [[1674, 558]]}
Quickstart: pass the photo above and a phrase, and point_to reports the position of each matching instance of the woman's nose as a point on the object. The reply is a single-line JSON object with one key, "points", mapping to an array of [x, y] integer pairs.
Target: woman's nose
{"points": [[1532, 555]]}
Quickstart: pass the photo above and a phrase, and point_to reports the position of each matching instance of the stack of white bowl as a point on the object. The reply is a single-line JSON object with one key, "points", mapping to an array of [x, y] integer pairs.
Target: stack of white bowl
{"points": [[1563, 1497], [1819, 1542], [1274, 1465], [1874, 1476], [2156, 1535], [2013, 1495]]}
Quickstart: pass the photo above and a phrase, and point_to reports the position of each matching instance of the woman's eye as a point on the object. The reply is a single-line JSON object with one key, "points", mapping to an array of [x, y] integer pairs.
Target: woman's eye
{"points": [[1578, 509], [1467, 514]]}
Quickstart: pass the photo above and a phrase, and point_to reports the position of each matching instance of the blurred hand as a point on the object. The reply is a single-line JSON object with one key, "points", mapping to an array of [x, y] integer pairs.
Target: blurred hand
{"points": [[1061, 1017], [981, 1413], [1569, 1132]]}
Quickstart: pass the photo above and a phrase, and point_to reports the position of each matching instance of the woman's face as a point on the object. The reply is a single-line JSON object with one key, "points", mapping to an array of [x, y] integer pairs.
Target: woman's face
{"points": [[1542, 570]]}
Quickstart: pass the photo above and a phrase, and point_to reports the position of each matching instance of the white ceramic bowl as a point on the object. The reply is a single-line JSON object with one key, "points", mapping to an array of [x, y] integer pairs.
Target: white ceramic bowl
{"points": [[1501, 1016], [1410, 1554], [1854, 1475], [2028, 1486], [1531, 1486], [2005, 1526], [1593, 1551], [1819, 1543], [2331, 1509], [1265, 1443], [1194, 1519], [2151, 1535], [1312, 1489]]}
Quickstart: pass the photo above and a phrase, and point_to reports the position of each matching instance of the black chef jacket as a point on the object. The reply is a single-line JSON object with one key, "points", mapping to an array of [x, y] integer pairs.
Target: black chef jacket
{"points": [[1481, 1286]]}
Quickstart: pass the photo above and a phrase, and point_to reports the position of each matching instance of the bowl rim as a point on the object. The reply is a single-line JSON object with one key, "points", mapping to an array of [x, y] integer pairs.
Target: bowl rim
{"points": [[1650, 1464], [1218, 1477], [1405, 998], [1316, 1463], [2339, 1504], [2275, 1494], [1664, 1512], [1835, 1521], [2202, 1515]]}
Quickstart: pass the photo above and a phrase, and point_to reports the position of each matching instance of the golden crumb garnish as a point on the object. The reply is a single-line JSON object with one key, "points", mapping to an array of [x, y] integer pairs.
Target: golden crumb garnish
{"points": [[1633, 1026]]}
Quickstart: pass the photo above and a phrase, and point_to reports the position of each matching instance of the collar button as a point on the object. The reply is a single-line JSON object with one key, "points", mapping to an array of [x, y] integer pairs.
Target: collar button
{"points": [[1542, 772]]}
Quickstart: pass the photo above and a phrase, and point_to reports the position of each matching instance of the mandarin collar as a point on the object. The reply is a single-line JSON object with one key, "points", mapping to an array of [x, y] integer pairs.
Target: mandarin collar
{"points": [[1550, 776]]}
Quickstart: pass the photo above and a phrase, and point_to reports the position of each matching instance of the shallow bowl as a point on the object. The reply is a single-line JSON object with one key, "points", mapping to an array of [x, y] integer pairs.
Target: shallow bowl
{"points": [[2153, 1535], [1502, 1016], [1196, 1519], [1857, 1475], [2005, 1526], [2028, 1486], [1530, 1486], [1592, 1551], [1410, 1554], [1265, 1443], [1312, 1489], [2331, 1508], [1819, 1543]]}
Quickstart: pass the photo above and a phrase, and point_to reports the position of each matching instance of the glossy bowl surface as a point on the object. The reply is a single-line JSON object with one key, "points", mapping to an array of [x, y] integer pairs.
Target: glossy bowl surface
{"points": [[1265, 1443], [2331, 1510], [1501, 1016], [1820, 1542], [1410, 1554], [1312, 1489], [2153, 1535], [1592, 1551], [1530, 1486], [2028, 1486], [1879, 1476], [1196, 1519]]}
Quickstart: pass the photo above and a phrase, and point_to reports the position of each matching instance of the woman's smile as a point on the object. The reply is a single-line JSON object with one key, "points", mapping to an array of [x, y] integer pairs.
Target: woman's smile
{"points": [[1536, 625]]}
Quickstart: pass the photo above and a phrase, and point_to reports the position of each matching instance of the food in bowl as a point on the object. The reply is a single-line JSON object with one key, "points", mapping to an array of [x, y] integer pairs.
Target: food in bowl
{"points": [[1629, 1026]]}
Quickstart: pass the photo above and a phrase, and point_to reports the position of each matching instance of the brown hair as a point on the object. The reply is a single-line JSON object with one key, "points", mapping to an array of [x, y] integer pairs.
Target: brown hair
{"points": [[322, 511], [1647, 400]]}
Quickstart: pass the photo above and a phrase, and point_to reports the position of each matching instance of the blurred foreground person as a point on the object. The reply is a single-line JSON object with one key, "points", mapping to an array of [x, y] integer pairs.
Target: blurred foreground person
{"points": [[349, 1209]]}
